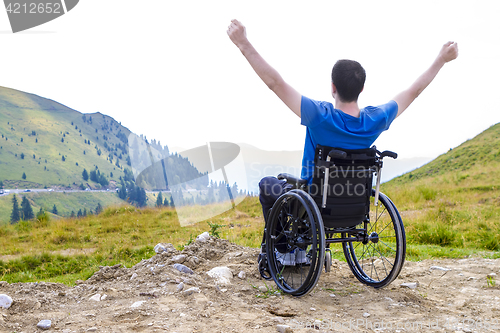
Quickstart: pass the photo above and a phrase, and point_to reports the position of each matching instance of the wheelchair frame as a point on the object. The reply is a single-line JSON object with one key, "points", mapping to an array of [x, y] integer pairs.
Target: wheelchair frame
{"points": [[296, 241]]}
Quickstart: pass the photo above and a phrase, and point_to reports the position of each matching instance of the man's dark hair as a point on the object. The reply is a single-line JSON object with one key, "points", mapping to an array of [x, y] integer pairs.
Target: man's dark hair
{"points": [[349, 78]]}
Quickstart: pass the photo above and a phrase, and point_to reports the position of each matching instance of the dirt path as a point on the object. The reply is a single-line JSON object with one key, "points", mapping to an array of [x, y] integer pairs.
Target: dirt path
{"points": [[145, 298]]}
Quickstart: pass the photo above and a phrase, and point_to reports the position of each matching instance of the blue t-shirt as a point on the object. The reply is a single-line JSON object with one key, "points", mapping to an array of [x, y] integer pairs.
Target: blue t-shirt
{"points": [[331, 127]]}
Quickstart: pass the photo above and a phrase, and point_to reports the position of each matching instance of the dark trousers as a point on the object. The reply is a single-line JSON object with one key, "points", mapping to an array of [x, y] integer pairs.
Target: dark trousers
{"points": [[271, 188]]}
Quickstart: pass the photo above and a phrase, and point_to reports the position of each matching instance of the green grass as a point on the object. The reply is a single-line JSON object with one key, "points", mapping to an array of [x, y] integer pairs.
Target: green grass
{"points": [[120, 234]]}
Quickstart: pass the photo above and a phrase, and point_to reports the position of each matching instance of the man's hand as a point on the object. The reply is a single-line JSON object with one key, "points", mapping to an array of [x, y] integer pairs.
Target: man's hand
{"points": [[237, 33], [448, 52]]}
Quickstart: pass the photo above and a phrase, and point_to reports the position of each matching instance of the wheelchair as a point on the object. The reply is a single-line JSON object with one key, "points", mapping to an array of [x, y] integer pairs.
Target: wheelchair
{"points": [[339, 206]]}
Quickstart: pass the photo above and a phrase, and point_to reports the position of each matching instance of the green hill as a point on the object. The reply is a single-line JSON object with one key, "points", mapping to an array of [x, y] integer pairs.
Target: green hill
{"points": [[454, 200], [52, 144], [44, 144]]}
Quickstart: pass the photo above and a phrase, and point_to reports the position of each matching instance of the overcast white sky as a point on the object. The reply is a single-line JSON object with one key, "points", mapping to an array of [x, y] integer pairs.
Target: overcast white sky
{"points": [[167, 69]]}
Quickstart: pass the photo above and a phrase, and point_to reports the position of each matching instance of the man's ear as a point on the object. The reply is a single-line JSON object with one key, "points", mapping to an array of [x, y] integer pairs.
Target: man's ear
{"points": [[334, 90]]}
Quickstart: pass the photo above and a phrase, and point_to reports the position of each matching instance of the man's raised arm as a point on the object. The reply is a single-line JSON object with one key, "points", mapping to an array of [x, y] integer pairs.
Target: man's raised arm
{"points": [[237, 34], [448, 52]]}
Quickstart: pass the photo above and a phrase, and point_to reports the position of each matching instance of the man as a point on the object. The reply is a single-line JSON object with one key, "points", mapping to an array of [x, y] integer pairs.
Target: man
{"points": [[345, 125]]}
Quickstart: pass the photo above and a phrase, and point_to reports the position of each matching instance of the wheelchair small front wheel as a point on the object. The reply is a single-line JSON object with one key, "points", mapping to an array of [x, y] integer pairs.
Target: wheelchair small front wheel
{"points": [[295, 243], [378, 259]]}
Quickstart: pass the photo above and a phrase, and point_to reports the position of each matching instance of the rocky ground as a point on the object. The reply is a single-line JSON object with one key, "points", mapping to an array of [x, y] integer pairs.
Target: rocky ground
{"points": [[173, 292]]}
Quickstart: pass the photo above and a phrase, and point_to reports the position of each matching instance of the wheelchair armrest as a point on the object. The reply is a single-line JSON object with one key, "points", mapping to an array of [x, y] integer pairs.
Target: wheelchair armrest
{"points": [[388, 153], [334, 153], [290, 179]]}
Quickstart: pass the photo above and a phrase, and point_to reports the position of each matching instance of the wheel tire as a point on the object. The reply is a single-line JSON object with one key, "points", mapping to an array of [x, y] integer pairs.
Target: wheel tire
{"points": [[328, 261], [378, 262], [295, 227]]}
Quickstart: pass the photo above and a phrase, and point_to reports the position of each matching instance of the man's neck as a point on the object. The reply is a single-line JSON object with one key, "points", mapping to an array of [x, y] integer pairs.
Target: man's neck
{"points": [[350, 108]]}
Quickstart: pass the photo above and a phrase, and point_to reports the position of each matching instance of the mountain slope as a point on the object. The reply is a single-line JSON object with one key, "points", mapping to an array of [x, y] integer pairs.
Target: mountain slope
{"points": [[455, 199], [36, 133], [44, 143]]}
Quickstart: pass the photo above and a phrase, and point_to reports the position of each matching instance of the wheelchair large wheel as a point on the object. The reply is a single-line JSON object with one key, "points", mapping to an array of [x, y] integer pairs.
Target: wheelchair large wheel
{"points": [[378, 259], [295, 243]]}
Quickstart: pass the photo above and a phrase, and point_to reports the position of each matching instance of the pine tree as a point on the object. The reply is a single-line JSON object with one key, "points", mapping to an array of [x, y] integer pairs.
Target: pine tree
{"points": [[14, 216], [159, 200], [122, 194], [79, 214], [172, 201], [54, 210], [98, 209], [85, 174], [26, 209], [72, 214], [165, 202], [24, 175]]}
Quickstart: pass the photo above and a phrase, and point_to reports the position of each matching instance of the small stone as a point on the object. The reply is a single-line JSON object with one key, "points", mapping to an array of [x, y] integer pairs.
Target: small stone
{"points": [[242, 275], [263, 288], [180, 286], [180, 258], [159, 248], [44, 324], [366, 315], [439, 268], [491, 275], [411, 285], [332, 295], [133, 276], [5, 301], [203, 237], [78, 282], [284, 329], [103, 297], [191, 291], [92, 329], [312, 309], [222, 275], [183, 269], [470, 278], [137, 304], [96, 298]]}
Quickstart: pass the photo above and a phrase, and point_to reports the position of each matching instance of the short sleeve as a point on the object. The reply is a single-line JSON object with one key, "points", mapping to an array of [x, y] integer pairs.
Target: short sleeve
{"points": [[391, 111], [312, 112]]}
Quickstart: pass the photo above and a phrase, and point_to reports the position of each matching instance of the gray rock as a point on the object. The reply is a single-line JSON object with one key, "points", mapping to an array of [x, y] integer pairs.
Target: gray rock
{"points": [[180, 258], [159, 248], [44, 324], [133, 276], [284, 329], [366, 315], [203, 237], [191, 291], [222, 275], [411, 285], [180, 286], [183, 269], [137, 304], [92, 329], [5, 301], [242, 275], [439, 268], [96, 298]]}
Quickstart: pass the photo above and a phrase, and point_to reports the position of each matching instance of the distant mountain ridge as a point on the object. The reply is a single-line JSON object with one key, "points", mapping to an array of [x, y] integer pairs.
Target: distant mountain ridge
{"points": [[46, 144]]}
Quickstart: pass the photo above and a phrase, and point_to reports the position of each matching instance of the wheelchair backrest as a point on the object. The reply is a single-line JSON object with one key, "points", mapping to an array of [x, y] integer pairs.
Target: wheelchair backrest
{"points": [[348, 184]]}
